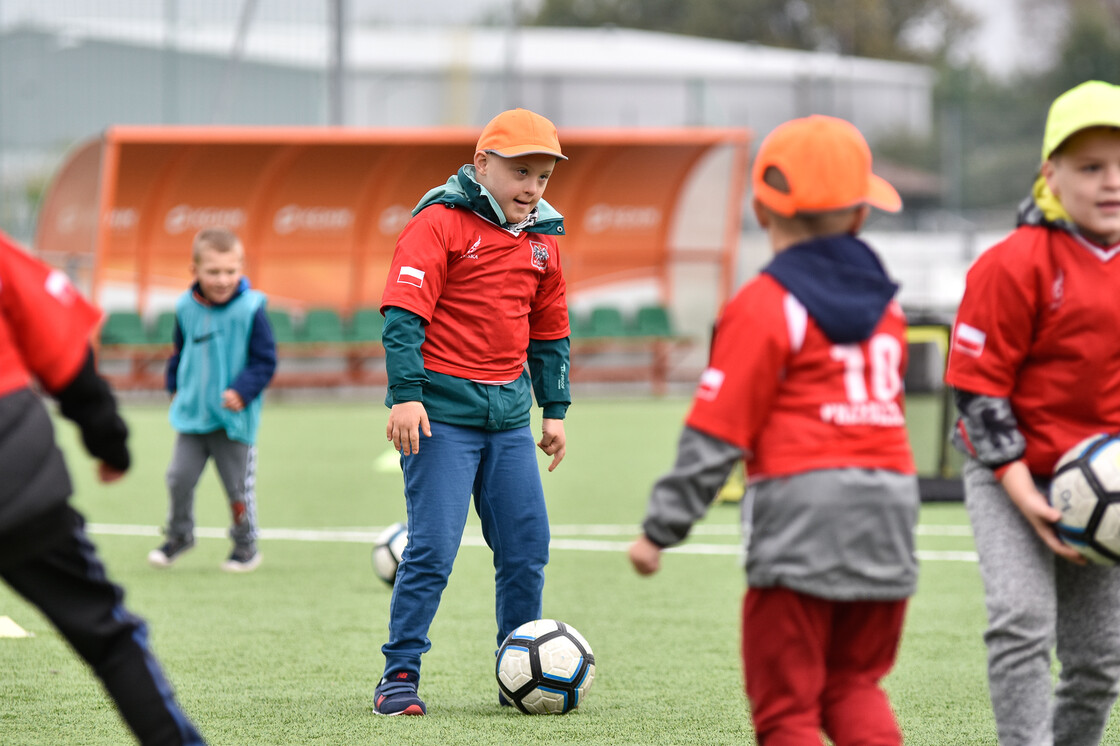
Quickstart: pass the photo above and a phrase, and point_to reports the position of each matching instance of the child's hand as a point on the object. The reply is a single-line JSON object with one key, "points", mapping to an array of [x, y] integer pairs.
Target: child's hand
{"points": [[553, 441], [1037, 510], [107, 474], [232, 400], [645, 556], [406, 420]]}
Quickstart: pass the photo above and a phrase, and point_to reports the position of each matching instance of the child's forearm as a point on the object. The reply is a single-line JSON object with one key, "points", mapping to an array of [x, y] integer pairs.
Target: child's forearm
{"points": [[682, 496], [402, 337], [549, 364], [1019, 484]]}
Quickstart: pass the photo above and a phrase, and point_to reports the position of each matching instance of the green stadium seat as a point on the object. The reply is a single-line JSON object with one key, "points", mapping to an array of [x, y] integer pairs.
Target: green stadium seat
{"points": [[322, 325], [576, 324], [653, 321], [123, 328], [163, 329], [365, 325], [283, 329], [605, 321]]}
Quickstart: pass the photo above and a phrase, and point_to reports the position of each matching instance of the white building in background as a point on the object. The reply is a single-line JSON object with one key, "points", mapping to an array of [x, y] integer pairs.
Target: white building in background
{"points": [[147, 72]]}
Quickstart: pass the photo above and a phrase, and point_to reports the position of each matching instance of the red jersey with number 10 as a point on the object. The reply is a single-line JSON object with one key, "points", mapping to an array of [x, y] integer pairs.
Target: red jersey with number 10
{"points": [[777, 388], [483, 290]]}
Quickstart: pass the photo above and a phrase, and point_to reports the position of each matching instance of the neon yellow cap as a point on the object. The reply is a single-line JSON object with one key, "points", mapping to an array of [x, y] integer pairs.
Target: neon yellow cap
{"points": [[1091, 104]]}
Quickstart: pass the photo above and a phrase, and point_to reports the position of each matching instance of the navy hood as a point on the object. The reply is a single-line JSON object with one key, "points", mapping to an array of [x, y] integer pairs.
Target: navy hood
{"points": [[841, 283]]}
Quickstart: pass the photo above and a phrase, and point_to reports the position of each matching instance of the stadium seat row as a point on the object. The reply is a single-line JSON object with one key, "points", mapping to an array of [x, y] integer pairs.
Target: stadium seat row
{"points": [[611, 322], [318, 325], [325, 325], [321, 347]]}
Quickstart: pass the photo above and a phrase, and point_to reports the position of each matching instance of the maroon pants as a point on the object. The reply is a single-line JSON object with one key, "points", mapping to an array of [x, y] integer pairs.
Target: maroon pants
{"points": [[812, 664]]}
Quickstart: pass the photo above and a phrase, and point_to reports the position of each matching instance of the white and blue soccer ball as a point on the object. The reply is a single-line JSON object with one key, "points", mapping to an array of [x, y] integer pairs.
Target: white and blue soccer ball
{"points": [[1086, 489], [388, 549], [545, 667]]}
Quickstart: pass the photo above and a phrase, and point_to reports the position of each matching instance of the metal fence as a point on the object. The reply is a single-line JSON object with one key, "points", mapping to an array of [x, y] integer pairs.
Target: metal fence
{"points": [[69, 69]]}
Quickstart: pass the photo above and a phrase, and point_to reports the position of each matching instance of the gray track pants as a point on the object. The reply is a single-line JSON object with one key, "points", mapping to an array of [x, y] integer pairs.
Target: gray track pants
{"points": [[1038, 602], [236, 464]]}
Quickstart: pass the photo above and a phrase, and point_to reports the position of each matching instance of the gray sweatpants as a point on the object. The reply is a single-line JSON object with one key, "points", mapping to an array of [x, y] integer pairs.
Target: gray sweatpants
{"points": [[236, 463], [1038, 602]]}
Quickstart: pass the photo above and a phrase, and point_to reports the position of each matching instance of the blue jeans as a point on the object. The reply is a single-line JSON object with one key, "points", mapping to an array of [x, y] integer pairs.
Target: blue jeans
{"points": [[499, 467]]}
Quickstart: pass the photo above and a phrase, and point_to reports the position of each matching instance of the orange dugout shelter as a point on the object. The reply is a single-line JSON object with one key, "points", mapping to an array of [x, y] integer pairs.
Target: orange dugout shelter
{"points": [[319, 209]]}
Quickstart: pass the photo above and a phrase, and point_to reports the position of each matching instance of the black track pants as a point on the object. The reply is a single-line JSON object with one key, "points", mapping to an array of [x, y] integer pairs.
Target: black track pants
{"points": [[65, 579]]}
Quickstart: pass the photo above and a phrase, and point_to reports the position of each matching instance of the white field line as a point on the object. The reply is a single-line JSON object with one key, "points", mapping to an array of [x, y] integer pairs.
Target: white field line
{"points": [[473, 539]]}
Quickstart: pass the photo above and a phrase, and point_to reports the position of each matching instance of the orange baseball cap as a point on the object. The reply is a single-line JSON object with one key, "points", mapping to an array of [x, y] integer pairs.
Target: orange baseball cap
{"points": [[826, 163], [520, 132]]}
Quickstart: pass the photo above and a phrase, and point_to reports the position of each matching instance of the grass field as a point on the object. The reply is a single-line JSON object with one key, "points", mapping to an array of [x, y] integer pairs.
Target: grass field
{"points": [[291, 653]]}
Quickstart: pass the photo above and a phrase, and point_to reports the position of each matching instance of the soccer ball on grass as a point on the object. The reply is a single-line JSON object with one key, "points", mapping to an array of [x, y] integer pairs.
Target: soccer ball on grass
{"points": [[545, 667], [1086, 489], [388, 549]]}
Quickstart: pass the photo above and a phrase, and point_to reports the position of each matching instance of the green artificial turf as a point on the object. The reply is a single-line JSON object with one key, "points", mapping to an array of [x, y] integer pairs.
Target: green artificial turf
{"points": [[290, 654]]}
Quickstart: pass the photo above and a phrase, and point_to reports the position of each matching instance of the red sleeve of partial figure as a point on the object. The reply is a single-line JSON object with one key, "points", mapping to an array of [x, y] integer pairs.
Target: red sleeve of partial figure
{"points": [[45, 324]]}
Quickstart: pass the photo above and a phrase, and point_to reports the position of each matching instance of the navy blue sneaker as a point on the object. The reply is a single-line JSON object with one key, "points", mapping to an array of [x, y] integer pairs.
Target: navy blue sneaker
{"points": [[396, 695], [502, 699], [243, 559], [171, 550]]}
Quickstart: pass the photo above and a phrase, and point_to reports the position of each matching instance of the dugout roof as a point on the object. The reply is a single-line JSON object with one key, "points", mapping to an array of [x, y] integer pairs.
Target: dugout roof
{"points": [[319, 209]]}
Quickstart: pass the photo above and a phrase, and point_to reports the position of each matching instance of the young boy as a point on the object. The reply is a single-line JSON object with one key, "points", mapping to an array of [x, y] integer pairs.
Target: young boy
{"points": [[805, 384], [1035, 365], [475, 290], [224, 357], [45, 555]]}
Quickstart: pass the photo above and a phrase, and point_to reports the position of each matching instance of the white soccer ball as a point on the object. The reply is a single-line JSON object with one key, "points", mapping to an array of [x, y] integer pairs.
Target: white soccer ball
{"points": [[1086, 489], [545, 667], [388, 550]]}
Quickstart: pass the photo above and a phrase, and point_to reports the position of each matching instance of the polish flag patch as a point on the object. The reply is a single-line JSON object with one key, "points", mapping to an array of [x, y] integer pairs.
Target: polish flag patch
{"points": [[58, 285], [411, 276], [968, 340], [711, 381]]}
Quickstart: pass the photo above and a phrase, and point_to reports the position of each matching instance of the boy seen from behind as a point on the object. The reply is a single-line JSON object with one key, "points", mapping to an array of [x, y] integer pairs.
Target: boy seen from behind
{"points": [[805, 384], [224, 357]]}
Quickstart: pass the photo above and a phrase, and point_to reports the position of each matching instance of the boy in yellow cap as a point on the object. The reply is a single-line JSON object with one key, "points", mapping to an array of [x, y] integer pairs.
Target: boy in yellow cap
{"points": [[1036, 367], [805, 385], [474, 292]]}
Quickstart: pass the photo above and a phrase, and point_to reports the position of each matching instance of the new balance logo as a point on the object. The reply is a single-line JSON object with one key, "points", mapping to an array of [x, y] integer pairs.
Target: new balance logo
{"points": [[472, 252]]}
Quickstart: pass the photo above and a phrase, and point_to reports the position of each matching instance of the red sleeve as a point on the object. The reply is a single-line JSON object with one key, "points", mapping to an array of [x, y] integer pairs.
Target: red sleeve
{"points": [[419, 269], [749, 351], [995, 321], [47, 323], [548, 312]]}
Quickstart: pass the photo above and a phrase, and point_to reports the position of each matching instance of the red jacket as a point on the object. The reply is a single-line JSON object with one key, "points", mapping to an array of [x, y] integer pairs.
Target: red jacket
{"points": [[1037, 325]]}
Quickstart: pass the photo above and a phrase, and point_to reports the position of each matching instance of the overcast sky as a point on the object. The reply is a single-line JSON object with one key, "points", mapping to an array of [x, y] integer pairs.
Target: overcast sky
{"points": [[379, 11], [1006, 40]]}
